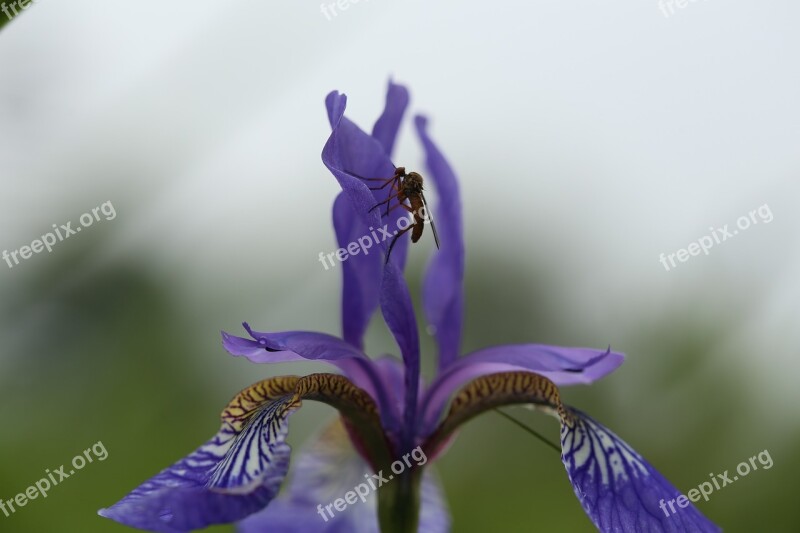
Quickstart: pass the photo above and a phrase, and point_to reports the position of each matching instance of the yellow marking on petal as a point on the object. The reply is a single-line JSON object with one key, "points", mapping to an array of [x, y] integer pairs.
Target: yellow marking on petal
{"points": [[497, 390], [339, 392], [251, 399], [355, 405]]}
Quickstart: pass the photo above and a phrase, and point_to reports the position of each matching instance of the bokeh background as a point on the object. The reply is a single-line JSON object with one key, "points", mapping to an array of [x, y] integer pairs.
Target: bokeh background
{"points": [[589, 137]]}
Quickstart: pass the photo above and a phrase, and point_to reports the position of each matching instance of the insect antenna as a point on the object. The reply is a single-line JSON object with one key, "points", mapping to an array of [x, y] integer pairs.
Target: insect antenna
{"points": [[529, 430]]}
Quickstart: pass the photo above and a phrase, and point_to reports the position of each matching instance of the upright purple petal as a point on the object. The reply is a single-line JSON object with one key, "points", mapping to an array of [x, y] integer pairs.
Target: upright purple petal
{"points": [[388, 124], [398, 312], [362, 272], [351, 154], [443, 288], [563, 366], [292, 346], [618, 488], [392, 372]]}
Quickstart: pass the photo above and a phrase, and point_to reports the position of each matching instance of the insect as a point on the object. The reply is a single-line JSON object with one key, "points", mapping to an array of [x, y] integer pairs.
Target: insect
{"points": [[406, 186]]}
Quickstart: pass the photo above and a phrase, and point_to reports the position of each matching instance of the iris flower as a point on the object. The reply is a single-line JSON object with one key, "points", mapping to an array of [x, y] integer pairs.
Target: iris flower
{"points": [[388, 415]]}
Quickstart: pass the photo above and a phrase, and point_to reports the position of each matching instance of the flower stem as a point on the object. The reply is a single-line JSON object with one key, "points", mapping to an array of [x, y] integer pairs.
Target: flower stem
{"points": [[398, 502]]}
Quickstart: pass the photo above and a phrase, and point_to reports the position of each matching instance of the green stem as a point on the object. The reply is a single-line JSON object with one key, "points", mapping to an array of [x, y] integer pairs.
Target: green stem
{"points": [[398, 501]]}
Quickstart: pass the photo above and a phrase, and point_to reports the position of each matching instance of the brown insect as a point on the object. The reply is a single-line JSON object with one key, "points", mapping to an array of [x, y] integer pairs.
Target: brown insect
{"points": [[406, 186]]}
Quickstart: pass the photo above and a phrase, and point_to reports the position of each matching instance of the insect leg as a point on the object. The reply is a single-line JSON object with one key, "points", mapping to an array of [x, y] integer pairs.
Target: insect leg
{"points": [[389, 199], [381, 187], [397, 187], [404, 206], [388, 253]]}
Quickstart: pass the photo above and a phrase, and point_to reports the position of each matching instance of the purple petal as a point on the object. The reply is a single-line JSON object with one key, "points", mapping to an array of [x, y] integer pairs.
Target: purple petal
{"points": [[351, 154], [392, 372], [325, 471], [233, 475], [240, 470], [361, 274], [386, 127], [433, 515], [562, 366], [292, 346], [305, 344], [443, 291], [617, 488], [348, 153], [398, 312]]}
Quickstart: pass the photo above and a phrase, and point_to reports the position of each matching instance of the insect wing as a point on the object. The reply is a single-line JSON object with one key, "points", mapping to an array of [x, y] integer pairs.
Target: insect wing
{"points": [[429, 218]]}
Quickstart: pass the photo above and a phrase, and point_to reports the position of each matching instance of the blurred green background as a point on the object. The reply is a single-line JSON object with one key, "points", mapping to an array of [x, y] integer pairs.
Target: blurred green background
{"points": [[588, 139]]}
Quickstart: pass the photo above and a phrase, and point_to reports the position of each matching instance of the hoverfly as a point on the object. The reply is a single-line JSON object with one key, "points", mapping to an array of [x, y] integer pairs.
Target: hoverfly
{"points": [[406, 186]]}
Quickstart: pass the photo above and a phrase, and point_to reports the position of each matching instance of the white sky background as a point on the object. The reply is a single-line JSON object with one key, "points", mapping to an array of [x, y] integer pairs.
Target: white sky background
{"points": [[590, 136]]}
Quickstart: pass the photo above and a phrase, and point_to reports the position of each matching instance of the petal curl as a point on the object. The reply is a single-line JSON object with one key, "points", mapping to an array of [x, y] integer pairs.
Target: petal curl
{"points": [[563, 366], [351, 154], [240, 470], [285, 346]]}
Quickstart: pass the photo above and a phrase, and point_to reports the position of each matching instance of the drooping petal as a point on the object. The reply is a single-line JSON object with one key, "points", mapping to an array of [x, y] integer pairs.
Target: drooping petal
{"points": [[443, 291], [234, 474], [563, 366], [361, 273], [290, 346], [326, 471], [240, 470], [617, 488]]}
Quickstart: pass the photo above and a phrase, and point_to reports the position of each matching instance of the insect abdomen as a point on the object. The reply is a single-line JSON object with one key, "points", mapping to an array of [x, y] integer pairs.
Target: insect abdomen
{"points": [[419, 222]]}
